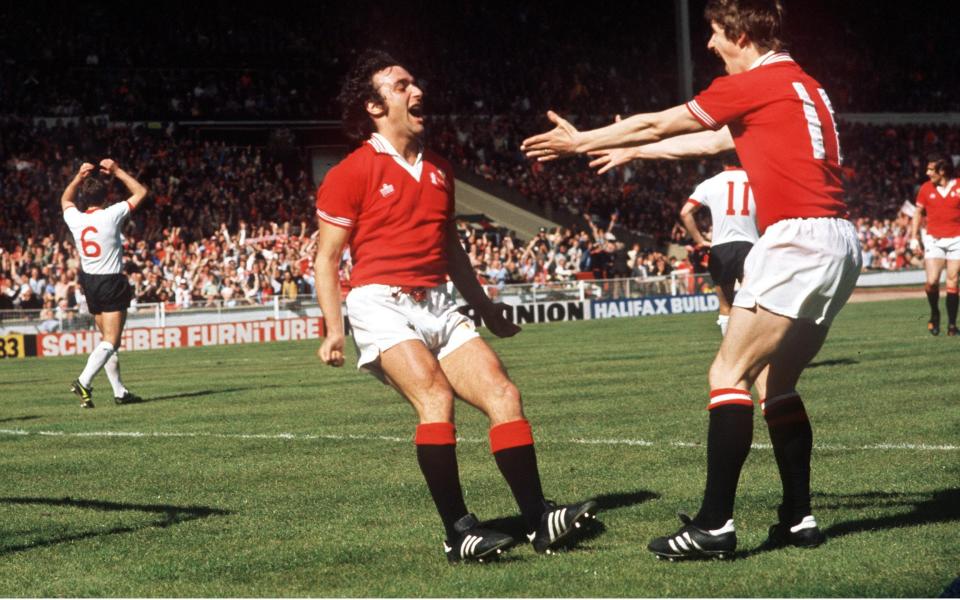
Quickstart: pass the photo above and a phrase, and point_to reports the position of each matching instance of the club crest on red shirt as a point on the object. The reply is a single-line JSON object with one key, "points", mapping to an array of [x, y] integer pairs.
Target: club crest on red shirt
{"points": [[438, 178]]}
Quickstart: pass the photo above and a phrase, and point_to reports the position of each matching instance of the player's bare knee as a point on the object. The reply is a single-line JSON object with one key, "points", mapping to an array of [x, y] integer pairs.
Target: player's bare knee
{"points": [[504, 403], [727, 374], [721, 374], [434, 406]]}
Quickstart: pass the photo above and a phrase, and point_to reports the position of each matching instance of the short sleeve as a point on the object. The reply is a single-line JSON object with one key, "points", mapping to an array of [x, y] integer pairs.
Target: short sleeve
{"points": [[446, 174], [119, 212], [70, 216], [699, 195], [922, 197], [340, 196], [722, 102]]}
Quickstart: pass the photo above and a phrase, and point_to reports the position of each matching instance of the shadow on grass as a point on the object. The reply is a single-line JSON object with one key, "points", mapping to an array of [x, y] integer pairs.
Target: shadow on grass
{"points": [[941, 506], [622, 499], [23, 418], [591, 528], [166, 514], [836, 362], [199, 393]]}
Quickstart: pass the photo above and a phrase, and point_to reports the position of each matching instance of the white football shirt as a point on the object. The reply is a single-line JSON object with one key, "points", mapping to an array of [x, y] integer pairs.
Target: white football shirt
{"points": [[97, 234], [732, 208]]}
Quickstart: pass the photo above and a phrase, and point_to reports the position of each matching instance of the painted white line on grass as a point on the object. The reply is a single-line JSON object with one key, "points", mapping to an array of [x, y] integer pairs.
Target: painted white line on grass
{"points": [[185, 434], [387, 438], [902, 446]]}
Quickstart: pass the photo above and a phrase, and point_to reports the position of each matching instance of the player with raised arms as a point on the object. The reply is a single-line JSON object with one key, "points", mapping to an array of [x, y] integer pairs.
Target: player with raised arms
{"points": [[392, 201], [797, 277], [96, 231], [728, 197]]}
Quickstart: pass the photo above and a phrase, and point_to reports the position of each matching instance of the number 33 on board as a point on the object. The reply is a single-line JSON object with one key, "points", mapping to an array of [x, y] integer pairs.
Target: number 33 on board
{"points": [[11, 346]]}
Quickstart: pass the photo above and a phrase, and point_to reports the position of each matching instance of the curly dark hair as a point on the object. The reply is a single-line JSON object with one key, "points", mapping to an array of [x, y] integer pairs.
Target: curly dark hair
{"points": [[760, 20], [358, 89], [93, 191], [941, 164]]}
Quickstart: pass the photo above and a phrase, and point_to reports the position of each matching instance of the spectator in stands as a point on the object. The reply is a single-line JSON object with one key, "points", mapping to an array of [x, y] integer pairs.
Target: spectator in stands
{"points": [[29, 301]]}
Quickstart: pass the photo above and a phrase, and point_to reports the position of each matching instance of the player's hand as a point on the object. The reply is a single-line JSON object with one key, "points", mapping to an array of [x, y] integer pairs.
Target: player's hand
{"points": [[914, 245], [604, 160], [331, 350], [494, 317], [559, 141], [84, 171], [108, 166]]}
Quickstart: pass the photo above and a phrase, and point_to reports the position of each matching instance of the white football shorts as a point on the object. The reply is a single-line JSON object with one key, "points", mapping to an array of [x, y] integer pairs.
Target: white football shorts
{"points": [[381, 316], [802, 269], [942, 248]]}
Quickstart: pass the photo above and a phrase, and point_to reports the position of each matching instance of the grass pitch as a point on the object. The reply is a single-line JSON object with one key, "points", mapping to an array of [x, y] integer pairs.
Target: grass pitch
{"points": [[254, 471]]}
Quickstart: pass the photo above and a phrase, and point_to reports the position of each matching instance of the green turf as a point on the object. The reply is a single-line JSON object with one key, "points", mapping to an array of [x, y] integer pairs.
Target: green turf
{"points": [[199, 506]]}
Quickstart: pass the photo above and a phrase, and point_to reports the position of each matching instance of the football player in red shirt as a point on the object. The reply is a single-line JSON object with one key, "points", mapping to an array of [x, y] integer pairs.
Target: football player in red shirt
{"points": [[797, 276], [392, 201], [939, 200]]}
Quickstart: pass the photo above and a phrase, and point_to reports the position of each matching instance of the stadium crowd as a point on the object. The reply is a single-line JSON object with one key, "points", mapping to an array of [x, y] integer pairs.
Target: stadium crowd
{"points": [[225, 224], [233, 224]]}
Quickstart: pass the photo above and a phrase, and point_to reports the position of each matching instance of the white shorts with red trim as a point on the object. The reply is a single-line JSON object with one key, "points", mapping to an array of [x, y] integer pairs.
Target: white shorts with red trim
{"points": [[941, 248], [382, 316], [802, 269]]}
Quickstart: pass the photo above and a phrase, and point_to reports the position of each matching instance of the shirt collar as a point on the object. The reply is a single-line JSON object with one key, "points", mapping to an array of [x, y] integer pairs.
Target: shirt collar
{"points": [[383, 146], [770, 58]]}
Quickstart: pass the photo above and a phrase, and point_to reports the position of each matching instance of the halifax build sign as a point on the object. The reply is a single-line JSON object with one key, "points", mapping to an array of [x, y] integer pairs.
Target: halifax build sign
{"points": [[578, 310]]}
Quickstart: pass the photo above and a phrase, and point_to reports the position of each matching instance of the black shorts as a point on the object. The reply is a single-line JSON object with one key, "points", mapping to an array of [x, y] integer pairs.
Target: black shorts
{"points": [[106, 293], [726, 262]]}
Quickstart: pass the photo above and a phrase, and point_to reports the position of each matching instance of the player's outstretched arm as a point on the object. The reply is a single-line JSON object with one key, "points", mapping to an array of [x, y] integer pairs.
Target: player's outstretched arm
{"points": [[69, 196], [137, 191], [326, 268], [700, 143], [644, 128], [462, 275]]}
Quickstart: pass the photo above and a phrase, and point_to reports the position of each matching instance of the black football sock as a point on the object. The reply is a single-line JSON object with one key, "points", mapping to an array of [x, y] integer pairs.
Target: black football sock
{"points": [[512, 447], [728, 442], [437, 456], [953, 299], [792, 439], [933, 298]]}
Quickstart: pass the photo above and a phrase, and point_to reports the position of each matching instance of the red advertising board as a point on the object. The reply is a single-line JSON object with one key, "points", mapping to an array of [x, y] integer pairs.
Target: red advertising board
{"points": [[157, 338]]}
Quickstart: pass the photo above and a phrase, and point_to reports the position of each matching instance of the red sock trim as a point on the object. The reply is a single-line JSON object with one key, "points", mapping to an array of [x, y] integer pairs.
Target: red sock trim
{"points": [[953, 291], [781, 400], [436, 434], [931, 288], [789, 410], [510, 435], [726, 396]]}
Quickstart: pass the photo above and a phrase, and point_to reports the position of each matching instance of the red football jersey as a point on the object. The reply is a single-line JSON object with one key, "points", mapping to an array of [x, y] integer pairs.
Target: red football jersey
{"points": [[784, 131], [943, 210], [397, 214]]}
